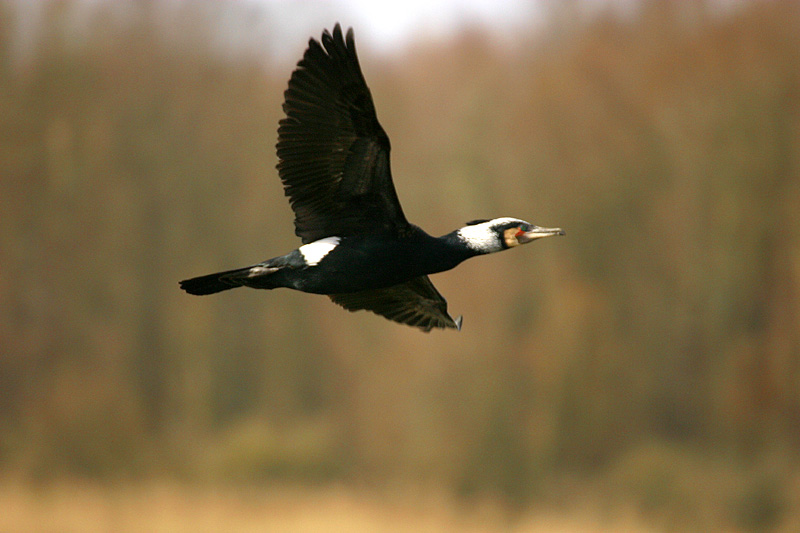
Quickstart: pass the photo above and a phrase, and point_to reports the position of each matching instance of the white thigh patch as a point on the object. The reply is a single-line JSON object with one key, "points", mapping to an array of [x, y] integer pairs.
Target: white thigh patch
{"points": [[313, 252]]}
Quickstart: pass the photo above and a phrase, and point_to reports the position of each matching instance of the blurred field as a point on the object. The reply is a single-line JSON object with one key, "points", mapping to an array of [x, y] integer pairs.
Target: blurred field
{"points": [[157, 507], [643, 372]]}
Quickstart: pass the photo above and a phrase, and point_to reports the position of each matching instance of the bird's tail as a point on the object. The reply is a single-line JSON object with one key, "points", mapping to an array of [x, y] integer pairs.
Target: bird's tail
{"points": [[217, 282]]}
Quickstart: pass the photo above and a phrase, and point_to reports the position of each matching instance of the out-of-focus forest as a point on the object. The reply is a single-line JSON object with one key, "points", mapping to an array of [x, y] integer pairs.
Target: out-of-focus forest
{"points": [[646, 367]]}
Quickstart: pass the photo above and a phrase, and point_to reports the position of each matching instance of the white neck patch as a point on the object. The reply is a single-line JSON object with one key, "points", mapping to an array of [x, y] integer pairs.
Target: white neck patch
{"points": [[313, 252], [483, 238]]}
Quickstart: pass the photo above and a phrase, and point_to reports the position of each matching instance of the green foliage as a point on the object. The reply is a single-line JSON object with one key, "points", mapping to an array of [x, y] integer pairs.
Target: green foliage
{"points": [[667, 145]]}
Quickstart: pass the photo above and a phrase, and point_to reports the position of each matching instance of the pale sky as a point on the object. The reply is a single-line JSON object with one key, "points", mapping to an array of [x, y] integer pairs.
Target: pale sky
{"points": [[281, 28], [384, 26], [387, 24]]}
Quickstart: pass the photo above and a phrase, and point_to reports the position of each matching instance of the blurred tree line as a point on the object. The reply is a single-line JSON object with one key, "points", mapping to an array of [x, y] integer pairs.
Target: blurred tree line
{"points": [[655, 350]]}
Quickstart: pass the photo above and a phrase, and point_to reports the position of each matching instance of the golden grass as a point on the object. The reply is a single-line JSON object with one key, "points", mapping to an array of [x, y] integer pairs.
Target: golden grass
{"points": [[166, 507]]}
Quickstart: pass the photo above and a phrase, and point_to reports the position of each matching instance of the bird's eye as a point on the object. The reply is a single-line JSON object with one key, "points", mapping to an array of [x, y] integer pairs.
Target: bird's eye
{"points": [[520, 231]]}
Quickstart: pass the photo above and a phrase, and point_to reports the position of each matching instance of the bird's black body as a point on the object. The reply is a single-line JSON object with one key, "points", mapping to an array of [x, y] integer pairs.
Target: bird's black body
{"points": [[358, 247], [364, 262], [356, 263]]}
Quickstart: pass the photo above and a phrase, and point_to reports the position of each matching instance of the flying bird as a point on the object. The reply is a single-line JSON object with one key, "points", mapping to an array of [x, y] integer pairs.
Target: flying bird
{"points": [[358, 248]]}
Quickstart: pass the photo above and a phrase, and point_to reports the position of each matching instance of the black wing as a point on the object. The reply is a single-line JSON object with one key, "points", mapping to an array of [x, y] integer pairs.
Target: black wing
{"points": [[415, 302], [333, 154]]}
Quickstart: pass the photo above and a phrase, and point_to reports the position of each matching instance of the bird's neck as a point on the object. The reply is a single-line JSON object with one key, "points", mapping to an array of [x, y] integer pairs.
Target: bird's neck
{"points": [[451, 250], [430, 254]]}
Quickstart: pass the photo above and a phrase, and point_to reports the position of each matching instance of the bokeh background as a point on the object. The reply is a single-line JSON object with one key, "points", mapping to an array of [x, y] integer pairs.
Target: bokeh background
{"points": [[641, 374]]}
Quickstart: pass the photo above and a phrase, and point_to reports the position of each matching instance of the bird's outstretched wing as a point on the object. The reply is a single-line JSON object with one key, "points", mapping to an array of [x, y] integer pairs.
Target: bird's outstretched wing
{"points": [[415, 303], [333, 154]]}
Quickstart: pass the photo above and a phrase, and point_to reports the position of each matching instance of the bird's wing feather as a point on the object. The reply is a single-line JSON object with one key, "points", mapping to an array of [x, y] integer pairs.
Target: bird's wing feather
{"points": [[415, 303], [333, 154]]}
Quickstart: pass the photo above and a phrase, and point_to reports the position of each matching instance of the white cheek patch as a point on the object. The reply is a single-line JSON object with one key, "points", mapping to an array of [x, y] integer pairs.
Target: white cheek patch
{"points": [[484, 237], [481, 237], [313, 252]]}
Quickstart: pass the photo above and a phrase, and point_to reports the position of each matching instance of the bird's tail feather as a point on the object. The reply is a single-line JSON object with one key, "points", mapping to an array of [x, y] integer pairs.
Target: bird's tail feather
{"points": [[217, 282]]}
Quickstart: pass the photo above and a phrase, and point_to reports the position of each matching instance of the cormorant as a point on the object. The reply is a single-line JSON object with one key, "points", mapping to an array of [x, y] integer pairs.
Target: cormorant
{"points": [[358, 248]]}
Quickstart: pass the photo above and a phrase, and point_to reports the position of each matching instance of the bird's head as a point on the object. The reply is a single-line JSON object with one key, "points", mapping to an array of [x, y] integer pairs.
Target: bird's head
{"points": [[489, 236]]}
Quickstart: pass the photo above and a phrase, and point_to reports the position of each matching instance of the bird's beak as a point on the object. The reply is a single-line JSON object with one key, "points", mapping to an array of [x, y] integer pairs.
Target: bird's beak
{"points": [[537, 233]]}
